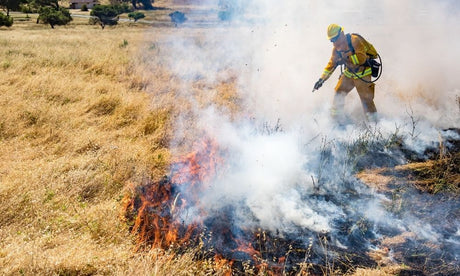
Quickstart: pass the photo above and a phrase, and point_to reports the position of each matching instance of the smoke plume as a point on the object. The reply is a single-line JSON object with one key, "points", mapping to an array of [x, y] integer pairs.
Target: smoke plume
{"points": [[288, 168]]}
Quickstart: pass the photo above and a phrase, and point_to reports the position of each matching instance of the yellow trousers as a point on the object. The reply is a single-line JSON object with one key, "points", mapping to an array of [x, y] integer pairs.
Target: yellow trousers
{"points": [[365, 92]]}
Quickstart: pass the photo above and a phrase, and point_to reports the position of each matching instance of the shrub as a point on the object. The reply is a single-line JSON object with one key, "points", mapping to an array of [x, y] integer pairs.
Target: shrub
{"points": [[5, 20], [124, 43], [84, 8], [136, 15], [177, 17]]}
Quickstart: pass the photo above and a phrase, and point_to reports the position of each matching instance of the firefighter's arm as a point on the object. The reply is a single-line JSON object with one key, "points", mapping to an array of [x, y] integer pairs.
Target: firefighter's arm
{"points": [[360, 56], [331, 65], [328, 70]]}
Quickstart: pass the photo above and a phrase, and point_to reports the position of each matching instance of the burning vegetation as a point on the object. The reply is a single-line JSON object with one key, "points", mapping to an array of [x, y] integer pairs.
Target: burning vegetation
{"points": [[153, 208], [168, 214]]}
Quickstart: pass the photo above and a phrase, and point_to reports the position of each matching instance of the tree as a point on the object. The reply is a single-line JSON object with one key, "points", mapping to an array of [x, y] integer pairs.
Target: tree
{"points": [[51, 3], [5, 20], [136, 15], [52, 16], [39, 4], [146, 4], [10, 5], [106, 14], [27, 8]]}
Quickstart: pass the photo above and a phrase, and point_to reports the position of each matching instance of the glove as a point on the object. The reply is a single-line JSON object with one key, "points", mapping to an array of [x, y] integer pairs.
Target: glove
{"points": [[318, 84]]}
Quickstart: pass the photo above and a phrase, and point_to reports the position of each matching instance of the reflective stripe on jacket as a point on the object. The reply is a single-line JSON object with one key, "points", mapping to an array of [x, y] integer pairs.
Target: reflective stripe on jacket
{"points": [[362, 73]]}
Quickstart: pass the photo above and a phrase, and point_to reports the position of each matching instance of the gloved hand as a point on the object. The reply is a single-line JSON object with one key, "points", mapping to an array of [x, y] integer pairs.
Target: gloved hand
{"points": [[318, 84]]}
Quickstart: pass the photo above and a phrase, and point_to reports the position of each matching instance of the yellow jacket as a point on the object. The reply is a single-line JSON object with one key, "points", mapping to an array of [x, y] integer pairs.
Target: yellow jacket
{"points": [[341, 53]]}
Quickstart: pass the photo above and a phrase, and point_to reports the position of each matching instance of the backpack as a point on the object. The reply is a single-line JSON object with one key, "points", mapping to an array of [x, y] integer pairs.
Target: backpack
{"points": [[370, 50]]}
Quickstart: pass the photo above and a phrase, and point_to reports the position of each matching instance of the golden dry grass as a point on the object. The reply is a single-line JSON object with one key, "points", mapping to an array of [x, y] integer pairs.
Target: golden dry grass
{"points": [[74, 128], [83, 112]]}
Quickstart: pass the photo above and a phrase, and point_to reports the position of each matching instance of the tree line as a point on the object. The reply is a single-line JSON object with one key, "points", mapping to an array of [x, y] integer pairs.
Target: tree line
{"points": [[50, 12]]}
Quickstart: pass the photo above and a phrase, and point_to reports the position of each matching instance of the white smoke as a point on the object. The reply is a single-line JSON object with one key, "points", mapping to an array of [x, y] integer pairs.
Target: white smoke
{"points": [[265, 172], [409, 35], [279, 50]]}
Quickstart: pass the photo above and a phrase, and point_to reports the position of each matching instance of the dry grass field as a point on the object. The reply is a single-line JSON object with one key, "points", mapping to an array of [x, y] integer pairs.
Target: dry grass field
{"points": [[85, 114]]}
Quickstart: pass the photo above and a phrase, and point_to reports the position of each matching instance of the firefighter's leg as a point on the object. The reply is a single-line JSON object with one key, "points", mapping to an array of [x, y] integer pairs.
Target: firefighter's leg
{"points": [[343, 87], [366, 94]]}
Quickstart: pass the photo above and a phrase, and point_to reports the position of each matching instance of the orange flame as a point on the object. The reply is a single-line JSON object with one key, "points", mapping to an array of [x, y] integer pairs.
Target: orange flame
{"points": [[223, 264], [247, 248], [198, 167], [155, 205]]}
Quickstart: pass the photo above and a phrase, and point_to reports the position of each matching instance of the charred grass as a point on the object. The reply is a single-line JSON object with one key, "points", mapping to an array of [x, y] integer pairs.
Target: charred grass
{"points": [[426, 187]]}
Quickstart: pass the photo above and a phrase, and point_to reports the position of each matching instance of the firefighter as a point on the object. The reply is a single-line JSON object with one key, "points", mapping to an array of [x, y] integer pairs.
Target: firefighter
{"points": [[354, 52]]}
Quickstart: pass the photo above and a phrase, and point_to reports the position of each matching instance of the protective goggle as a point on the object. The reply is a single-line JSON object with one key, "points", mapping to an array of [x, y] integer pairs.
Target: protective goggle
{"points": [[334, 39]]}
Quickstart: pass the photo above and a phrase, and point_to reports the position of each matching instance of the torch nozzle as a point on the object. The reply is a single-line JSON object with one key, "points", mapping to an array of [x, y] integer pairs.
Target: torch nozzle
{"points": [[318, 85]]}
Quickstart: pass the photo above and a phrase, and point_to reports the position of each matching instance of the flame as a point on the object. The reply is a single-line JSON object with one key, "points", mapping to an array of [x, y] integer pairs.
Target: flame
{"points": [[223, 264], [155, 207], [247, 248], [198, 167]]}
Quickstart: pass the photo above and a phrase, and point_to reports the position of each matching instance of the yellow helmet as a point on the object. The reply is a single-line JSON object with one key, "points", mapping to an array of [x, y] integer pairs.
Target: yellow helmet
{"points": [[333, 30]]}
